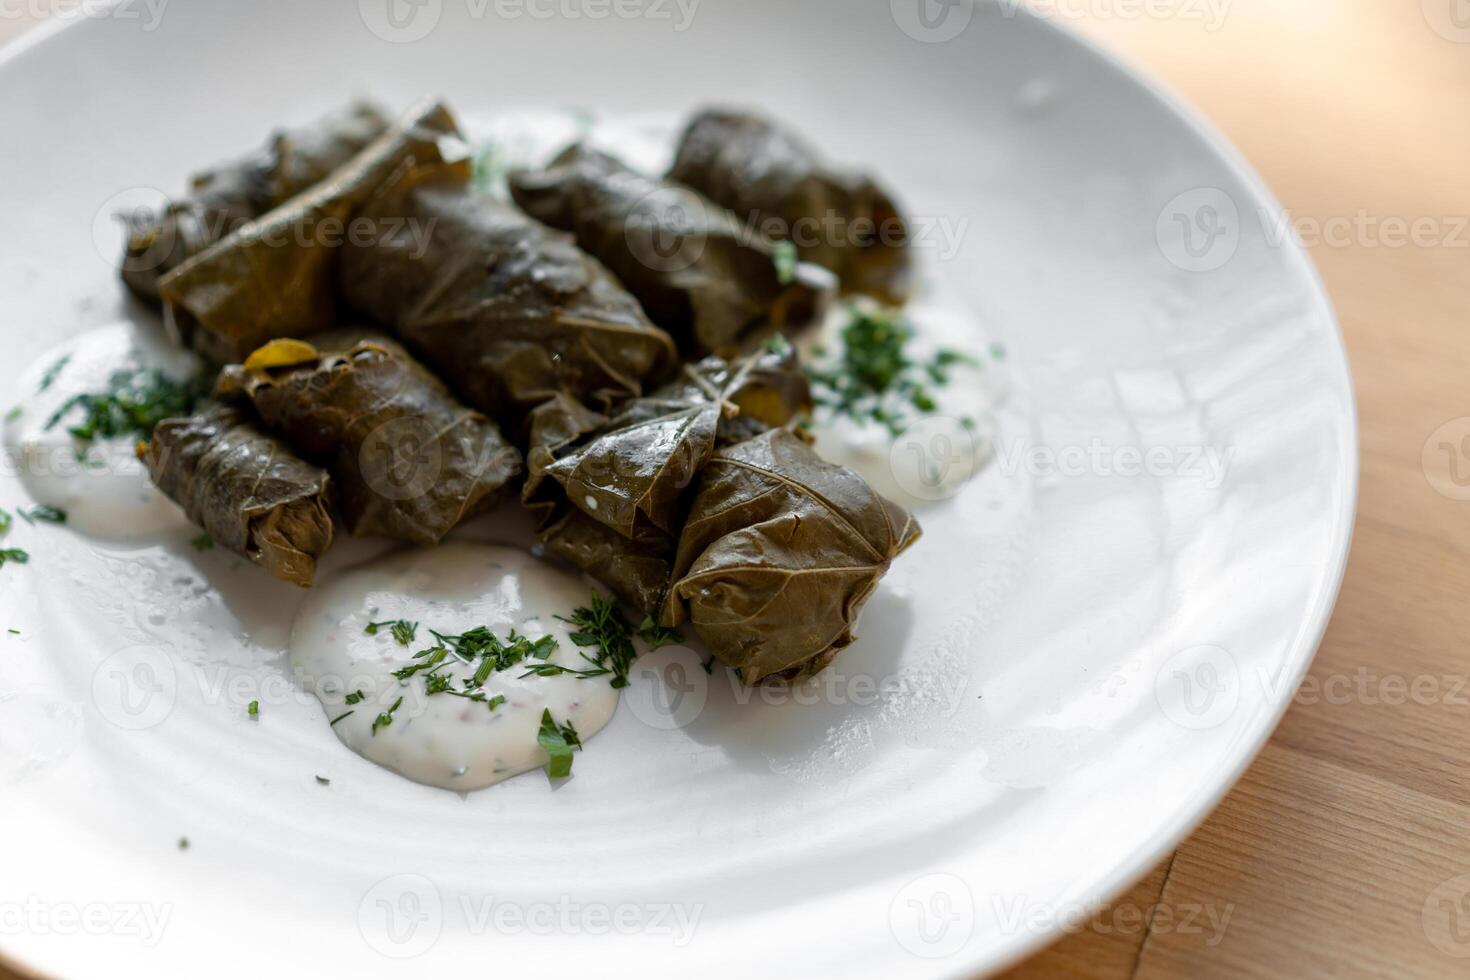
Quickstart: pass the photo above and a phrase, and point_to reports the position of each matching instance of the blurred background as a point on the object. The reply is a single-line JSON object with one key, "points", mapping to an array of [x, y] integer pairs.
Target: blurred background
{"points": [[1343, 851]]}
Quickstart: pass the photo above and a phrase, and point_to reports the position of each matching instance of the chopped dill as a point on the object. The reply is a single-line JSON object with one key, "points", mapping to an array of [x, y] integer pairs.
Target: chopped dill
{"points": [[135, 401], [875, 379], [43, 512], [783, 256], [559, 741], [403, 631]]}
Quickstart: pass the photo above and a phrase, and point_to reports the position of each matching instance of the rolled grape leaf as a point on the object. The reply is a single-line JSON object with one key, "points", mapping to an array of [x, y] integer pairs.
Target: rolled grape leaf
{"points": [[632, 474], [636, 571], [507, 311], [611, 499], [409, 461], [699, 273], [223, 198], [778, 555], [774, 180], [274, 277], [250, 493]]}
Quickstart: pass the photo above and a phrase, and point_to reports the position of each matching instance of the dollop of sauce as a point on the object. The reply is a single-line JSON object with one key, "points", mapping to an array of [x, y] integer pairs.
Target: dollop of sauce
{"points": [[443, 739], [938, 451], [101, 484]]}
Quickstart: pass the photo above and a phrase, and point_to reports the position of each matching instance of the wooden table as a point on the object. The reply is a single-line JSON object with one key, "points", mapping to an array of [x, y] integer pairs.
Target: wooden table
{"points": [[1340, 851]]}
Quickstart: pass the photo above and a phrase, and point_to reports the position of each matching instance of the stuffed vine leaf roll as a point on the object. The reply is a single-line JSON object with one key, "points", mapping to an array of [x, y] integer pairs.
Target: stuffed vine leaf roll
{"points": [[251, 494], [778, 554], [274, 276], [408, 460], [223, 198], [771, 178], [509, 312], [698, 272], [619, 491]]}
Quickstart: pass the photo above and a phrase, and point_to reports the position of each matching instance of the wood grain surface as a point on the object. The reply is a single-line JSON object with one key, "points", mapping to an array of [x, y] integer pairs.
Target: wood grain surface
{"points": [[1345, 850]]}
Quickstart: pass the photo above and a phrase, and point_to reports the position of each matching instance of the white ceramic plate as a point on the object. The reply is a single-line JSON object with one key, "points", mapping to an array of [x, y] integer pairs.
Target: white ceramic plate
{"points": [[1071, 669]]}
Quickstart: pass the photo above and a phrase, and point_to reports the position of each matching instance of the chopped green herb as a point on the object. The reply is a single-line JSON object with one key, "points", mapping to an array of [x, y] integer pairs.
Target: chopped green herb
{"points": [[13, 555], [253, 709], [183, 843], [53, 372], [354, 697], [386, 718], [135, 401], [341, 716], [5, 521], [323, 781], [876, 379], [13, 632], [559, 741], [13, 414], [202, 543], [709, 664], [43, 512], [603, 626], [403, 631], [656, 636], [783, 255]]}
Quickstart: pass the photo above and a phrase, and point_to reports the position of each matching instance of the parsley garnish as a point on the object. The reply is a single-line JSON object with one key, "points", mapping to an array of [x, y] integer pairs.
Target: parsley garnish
{"points": [[5, 521], [135, 401], [559, 741], [783, 256], [13, 555], [876, 380], [354, 697], [253, 709], [53, 372], [43, 512], [386, 718], [603, 626], [183, 843], [656, 636], [403, 631]]}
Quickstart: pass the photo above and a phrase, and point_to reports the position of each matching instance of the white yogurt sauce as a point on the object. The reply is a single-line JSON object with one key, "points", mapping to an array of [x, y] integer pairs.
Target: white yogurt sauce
{"points": [[101, 485], [937, 453], [532, 138], [440, 739]]}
